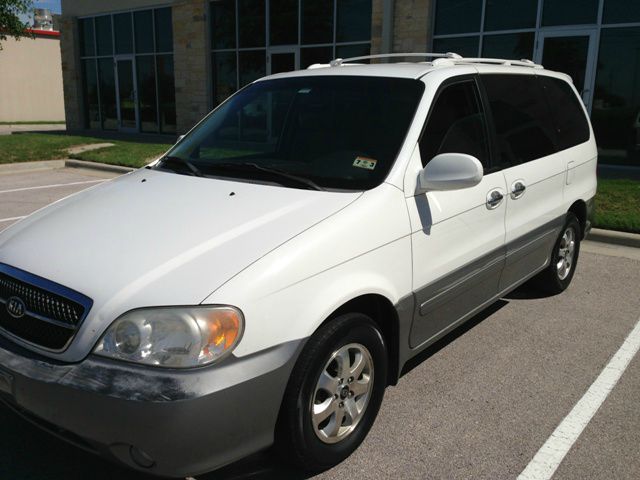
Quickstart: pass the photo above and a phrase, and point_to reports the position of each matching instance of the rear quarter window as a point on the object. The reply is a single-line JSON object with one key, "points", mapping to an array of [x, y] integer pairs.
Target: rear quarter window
{"points": [[569, 117]]}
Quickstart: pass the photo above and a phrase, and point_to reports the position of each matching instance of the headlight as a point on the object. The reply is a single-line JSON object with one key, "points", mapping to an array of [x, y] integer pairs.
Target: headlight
{"points": [[176, 337]]}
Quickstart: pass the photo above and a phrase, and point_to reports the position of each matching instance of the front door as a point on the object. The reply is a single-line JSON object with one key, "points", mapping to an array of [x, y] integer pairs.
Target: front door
{"points": [[457, 236], [573, 53], [126, 94], [283, 59]]}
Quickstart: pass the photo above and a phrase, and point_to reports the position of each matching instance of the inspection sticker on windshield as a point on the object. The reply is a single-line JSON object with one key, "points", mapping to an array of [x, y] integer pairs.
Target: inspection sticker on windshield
{"points": [[365, 162]]}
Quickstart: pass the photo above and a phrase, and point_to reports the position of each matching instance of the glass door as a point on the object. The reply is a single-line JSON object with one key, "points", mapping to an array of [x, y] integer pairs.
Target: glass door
{"points": [[127, 95], [571, 52], [283, 59]]}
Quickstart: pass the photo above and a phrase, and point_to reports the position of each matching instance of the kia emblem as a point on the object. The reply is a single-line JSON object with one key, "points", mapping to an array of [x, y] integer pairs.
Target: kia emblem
{"points": [[16, 307]]}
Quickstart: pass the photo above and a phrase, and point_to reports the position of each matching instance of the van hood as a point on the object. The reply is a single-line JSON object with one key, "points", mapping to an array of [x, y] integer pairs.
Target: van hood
{"points": [[154, 238]]}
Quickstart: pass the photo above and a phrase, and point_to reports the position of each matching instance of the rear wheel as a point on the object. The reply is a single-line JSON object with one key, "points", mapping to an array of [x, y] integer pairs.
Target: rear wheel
{"points": [[564, 258], [334, 393]]}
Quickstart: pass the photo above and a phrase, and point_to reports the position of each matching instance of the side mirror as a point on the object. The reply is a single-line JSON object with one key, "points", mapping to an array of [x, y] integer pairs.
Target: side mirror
{"points": [[450, 171]]}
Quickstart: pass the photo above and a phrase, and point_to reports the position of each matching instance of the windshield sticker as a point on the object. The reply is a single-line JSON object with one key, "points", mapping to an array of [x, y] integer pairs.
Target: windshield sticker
{"points": [[304, 90], [365, 162]]}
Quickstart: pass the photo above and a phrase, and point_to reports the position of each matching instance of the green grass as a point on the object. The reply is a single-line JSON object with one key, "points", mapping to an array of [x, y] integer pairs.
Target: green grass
{"points": [[36, 122], [618, 205], [29, 147], [129, 154]]}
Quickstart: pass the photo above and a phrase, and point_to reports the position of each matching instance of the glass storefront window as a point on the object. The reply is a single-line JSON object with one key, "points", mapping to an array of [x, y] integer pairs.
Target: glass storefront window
{"points": [[143, 26], [252, 66], [616, 108], [251, 24], [146, 73], [300, 33], [107, 94], [164, 30], [621, 11], [510, 14], [224, 74], [346, 51], [569, 12], [166, 93], [91, 104], [123, 31], [458, 16], [513, 46], [139, 42], [87, 45], [354, 21], [283, 22], [103, 35], [223, 24], [465, 46], [311, 55], [317, 21]]}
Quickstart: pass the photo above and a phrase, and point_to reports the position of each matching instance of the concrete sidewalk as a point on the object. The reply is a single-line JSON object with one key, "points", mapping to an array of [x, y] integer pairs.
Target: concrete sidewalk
{"points": [[36, 127]]}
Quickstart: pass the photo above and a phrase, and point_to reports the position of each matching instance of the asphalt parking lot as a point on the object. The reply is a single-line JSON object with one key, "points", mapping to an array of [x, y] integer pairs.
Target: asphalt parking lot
{"points": [[479, 404]]}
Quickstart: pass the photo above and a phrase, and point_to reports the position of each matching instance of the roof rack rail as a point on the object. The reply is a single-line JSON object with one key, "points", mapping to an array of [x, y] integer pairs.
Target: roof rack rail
{"points": [[340, 61], [441, 59], [489, 61]]}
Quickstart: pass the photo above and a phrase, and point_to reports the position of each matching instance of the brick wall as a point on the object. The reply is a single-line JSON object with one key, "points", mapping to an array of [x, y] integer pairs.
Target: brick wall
{"points": [[71, 73], [412, 25], [191, 60], [377, 7]]}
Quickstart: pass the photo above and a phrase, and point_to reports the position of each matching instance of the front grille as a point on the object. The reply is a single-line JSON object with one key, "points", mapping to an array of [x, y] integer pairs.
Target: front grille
{"points": [[52, 315]]}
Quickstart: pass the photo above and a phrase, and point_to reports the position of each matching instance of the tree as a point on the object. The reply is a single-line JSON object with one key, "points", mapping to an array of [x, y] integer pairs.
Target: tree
{"points": [[10, 23]]}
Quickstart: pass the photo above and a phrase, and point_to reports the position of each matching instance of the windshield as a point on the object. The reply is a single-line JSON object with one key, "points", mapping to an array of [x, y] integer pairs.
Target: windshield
{"points": [[335, 132]]}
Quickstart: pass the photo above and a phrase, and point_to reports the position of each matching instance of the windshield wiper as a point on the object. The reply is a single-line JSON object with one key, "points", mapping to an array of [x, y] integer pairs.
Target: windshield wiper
{"points": [[194, 170], [272, 171]]}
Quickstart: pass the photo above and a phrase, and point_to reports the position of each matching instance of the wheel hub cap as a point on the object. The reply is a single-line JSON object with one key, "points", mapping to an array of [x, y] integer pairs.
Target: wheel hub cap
{"points": [[566, 252], [342, 393]]}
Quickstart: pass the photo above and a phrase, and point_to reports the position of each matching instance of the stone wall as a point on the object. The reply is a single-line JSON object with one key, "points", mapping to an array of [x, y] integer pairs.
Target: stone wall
{"points": [[412, 25], [377, 10], [71, 73], [191, 54]]}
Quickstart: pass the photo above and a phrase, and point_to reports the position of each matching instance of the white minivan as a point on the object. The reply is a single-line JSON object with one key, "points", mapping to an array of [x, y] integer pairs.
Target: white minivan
{"points": [[265, 280]]}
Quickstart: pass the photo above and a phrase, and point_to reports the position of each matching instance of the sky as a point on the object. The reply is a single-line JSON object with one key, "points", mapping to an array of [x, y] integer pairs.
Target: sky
{"points": [[53, 5]]}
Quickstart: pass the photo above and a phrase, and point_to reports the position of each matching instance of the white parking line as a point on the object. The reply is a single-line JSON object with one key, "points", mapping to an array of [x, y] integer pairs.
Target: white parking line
{"points": [[548, 459], [52, 186], [11, 219]]}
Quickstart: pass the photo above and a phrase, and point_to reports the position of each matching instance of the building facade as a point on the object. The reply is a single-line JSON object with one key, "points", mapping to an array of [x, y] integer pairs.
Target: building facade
{"points": [[153, 66], [31, 78]]}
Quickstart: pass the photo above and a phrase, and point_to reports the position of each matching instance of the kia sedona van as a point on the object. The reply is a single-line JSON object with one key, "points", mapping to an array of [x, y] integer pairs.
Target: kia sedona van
{"points": [[265, 280]]}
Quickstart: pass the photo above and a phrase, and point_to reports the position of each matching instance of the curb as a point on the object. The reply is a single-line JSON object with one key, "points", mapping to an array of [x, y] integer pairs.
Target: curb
{"points": [[614, 237], [31, 166], [97, 166], [54, 164]]}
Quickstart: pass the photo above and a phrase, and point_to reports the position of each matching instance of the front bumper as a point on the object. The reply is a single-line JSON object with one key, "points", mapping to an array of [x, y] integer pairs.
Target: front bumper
{"points": [[172, 423]]}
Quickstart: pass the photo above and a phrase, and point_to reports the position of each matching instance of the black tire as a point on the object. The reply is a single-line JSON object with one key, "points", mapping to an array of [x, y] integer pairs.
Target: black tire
{"points": [[296, 438], [550, 280]]}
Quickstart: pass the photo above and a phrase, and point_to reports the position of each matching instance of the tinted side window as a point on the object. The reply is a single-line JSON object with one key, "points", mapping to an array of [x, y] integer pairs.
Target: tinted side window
{"points": [[521, 116], [570, 120], [456, 124]]}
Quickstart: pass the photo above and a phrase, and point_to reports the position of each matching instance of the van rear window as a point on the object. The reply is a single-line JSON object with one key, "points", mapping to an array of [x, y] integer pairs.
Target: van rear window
{"points": [[569, 117]]}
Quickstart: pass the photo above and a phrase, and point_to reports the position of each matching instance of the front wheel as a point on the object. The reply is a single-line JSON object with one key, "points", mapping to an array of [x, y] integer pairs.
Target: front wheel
{"points": [[564, 258], [334, 393]]}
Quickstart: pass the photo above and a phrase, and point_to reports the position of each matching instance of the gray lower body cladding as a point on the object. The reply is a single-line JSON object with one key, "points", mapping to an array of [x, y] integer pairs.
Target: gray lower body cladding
{"points": [[166, 422], [438, 308]]}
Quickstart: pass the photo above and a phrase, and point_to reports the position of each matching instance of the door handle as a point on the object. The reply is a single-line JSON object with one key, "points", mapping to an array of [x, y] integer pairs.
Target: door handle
{"points": [[517, 189], [494, 199]]}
